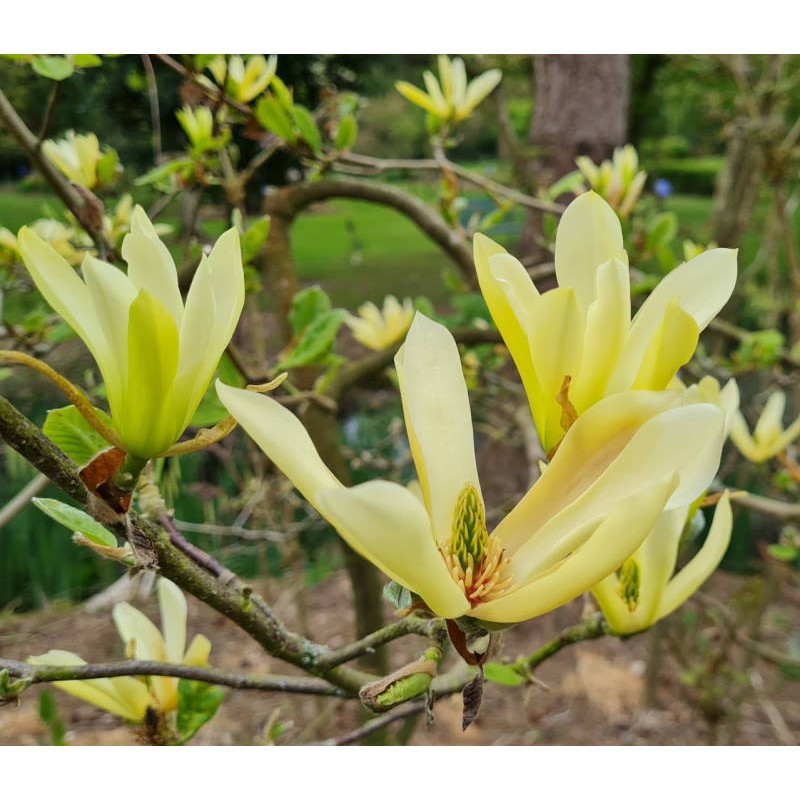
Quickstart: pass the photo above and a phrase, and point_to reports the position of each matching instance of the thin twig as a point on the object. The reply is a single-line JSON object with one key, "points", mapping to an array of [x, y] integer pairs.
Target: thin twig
{"points": [[22, 498], [48, 111], [155, 113]]}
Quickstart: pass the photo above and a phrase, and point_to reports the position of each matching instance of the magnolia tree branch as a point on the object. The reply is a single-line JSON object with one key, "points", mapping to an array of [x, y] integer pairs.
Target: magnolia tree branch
{"points": [[44, 673], [378, 165], [291, 200], [592, 627]]}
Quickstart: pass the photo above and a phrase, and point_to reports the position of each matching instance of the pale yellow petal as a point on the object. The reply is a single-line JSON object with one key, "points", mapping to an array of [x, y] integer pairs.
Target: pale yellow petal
{"points": [[607, 323], [150, 265], [689, 579], [481, 87], [416, 96], [125, 696], [198, 652], [388, 525], [281, 436], [740, 436], [143, 640], [609, 544], [438, 419], [770, 424], [173, 607], [589, 234]]}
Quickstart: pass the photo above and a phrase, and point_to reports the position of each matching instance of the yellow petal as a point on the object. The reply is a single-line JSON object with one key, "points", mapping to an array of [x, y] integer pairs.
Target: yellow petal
{"points": [[145, 424], [672, 345], [740, 436], [124, 696], [416, 96], [689, 579], [588, 235], [479, 88], [607, 323], [281, 436], [608, 545], [438, 419], [150, 265], [198, 652], [387, 525], [172, 603], [770, 424]]}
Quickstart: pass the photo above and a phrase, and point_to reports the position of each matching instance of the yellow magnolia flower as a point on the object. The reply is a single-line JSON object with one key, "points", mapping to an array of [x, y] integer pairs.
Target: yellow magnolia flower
{"points": [[378, 329], [243, 81], [646, 588], [76, 156], [708, 390], [621, 465], [130, 697], [618, 180], [692, 248], [118, 222], [769, 437], [576, 344], [156, 354], [451, 98]]}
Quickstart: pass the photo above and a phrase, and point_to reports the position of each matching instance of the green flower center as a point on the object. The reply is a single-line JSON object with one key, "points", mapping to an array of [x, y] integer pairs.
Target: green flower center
{"points": [[629, 578]]}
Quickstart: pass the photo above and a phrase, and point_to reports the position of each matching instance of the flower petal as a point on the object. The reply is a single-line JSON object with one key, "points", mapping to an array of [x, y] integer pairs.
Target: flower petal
{"points": [[153, 348], [63, 289], [438, 419], [281, 436], [609, 544], [689, 579], [607, 322], [150, 265], [125, 696], [588, 235], [387, 525], [172, 603]]}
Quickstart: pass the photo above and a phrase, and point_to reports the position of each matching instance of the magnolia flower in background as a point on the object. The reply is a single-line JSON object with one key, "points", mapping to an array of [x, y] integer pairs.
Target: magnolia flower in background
{"points": [[769, 438], [76, 156], [708, 390], [620, 466], [378, 329], [244, 81], [118, 222], [692, 248], [646, 587], [618, 180], [156, 355], [62, 238], [577, 344], [451, 98], [198, 125], [130, 697]]}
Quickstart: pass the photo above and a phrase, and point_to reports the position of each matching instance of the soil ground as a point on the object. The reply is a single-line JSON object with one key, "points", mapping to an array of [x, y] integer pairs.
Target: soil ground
{"points": [[607, 691]]}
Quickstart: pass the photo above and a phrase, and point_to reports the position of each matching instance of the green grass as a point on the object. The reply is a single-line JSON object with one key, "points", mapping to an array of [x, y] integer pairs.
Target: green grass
{"points": [[18, 208]]}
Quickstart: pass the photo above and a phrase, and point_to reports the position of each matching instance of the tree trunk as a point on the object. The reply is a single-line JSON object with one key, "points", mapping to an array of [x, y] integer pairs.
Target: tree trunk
{"points": [[580, 108]]}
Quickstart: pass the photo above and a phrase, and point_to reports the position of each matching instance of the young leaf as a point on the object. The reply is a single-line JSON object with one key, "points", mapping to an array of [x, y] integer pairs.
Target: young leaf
{"points": [[282, 94], [197, 704], [307, 305], [273, 117], [397, 595], [347, 133], [76, 520], [253, 238], [163, 171], [502, 674], [86, 60], [308, 128], [316, 342], [56, 68], [70, 432]]}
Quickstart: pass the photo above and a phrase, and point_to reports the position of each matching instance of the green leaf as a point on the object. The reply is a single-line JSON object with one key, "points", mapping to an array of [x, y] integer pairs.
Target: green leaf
{"points": [[87, 60], [56, 68], [662, 230], [163, 171], [571, 183], [397, 595], [347, 134], [282, 94], [76, 520], [273, 117], [197, 704], [502, 674], [307, 305], [253, 238], [211, 411], [48, 713], [70, 432], [316, 342], [107, 165], [783, 552], [307, 126]]}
